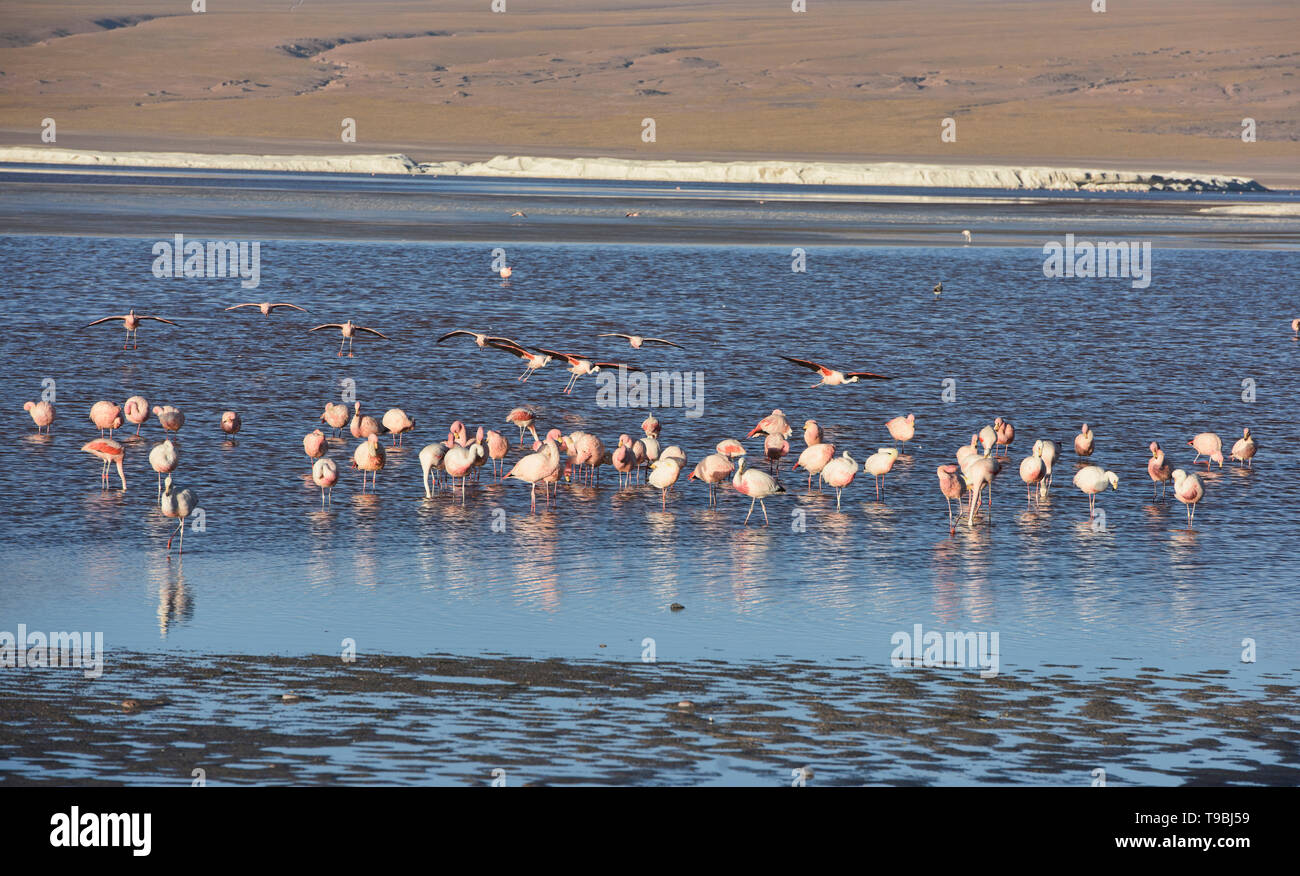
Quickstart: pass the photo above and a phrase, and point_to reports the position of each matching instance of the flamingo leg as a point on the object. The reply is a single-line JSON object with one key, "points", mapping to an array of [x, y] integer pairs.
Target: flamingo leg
{"points": [[751, 510]]}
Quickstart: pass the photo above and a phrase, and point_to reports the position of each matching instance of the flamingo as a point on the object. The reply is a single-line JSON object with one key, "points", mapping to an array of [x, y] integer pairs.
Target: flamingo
{"points": [[480, 458], [832, 377], [979, 473], [663, 474], [349, 330], [136, 410], [106, 416], [637, 340], [713, 470], [1093, 479], [532, 361], [938, 288], [989, 438], [524, 419], [624, 460], [131, 322], [814, 459], [162, 459], [431, 457], [879, 464], [458, 461], [480, 338], [497, 447], [1084, 442], [902, 429], [730, 448], [591, 451], [651, 427], [1049, 450], [1032, 471], [267, 307], [1006, 433], [179, 505], [965, 234], [42, 414], [839, 473], [231, 423], [952, 487], [1189, 490], [537, 466], [369, 457], [1210, 445], [169, 418], [773, 423], [313, 444], [968, 452], [364, 427], [639, 457], [1295, 327], [812, 433], [109, 452], [757, 485], [580, 365], [775, 447], [1158, 468], [335, 416], [1244, 449], [506, 271], [325, 474], [396, 422]]}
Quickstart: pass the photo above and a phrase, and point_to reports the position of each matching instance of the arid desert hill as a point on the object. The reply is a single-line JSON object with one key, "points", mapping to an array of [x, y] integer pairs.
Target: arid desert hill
{"points": [[1164, 84]]}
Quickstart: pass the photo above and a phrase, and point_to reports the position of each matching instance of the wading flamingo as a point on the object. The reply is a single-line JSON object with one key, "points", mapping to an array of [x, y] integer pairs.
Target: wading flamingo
{"points": [[774, 423], [624, 460], [431, 456], [989, 439], [106, 416], [231, 423], [109, 452], [812, 433], [170, 418], [131, 322], [832, 377], [369, 457], [364, 427], [42, 414], [524, 419], [313, 444], [1189, 490], [1093, 479], [136, 410], [458, 461], [1210, 445], [952, 486], [1158, 468], [814, 459], [1049, 450], [1006, 434], [879, 464], [663, 474], [537, 466], [325, 474], [1244, 449], [713, 470], [902, 429], [336, 417], [775, 447], [1032, 471], [497, 448], [651, 426], [162, 459], [757, 485], [396, 422], [177, 504], [839, 473], [349, 330], [980, 472], [1084, 442]]}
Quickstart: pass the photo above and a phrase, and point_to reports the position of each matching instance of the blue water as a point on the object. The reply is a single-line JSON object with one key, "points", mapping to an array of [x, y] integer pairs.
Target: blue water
{"points": [[273, 573]]}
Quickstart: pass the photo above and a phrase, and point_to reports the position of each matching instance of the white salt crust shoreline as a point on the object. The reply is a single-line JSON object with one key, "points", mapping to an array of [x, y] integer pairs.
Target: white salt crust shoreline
{"points": [[811, 173]]}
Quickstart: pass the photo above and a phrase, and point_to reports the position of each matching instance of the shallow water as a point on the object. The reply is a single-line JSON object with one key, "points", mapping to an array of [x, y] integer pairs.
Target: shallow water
{"points": [[402, 574]]}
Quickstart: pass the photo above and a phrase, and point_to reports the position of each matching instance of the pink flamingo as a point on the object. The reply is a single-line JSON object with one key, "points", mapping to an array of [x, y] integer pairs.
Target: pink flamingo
{"points": [[349, 330], [839, 473], [902, 429], [266, 307], [1244, 449], [814, 459], [431, 457], [524, 419], [1189, 490], [107, 416], [989, 438], [336, 417], [537, 466], [774, 423], [1158, 468], [979, 473], [952, 487], [812, 433], [131, 322], [650, 426], [1032, 471], [1210, 445], [179, 505], [880, 464], [231, 423], [968, 452], [663, 474], [713, 470], [580, 365], [109, 452], [638, 457], [480, 339], [369, 457], [396, 422], [1049, 450], [458, 461], [1006, 433], [775, 447], [364, 427], [313, 444], [532, 361], [1092, 480], [1084, 441], [162, 459], [42, 414], [832, 377], [624, 460], [497, 447], [137, 411], [325, 474], [169, 418], [730, 448], [757, 485]]}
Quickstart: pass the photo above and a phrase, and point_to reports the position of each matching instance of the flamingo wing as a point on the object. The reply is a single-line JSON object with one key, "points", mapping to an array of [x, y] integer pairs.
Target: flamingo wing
{"points": [[572, 360], [294, 306], [662, 341], [373, 332], [513, 349], [158, 319], [457, 332], [868, 375], [614, 335], [107, 319], [825, 372], [237, 306], [336, 325]]}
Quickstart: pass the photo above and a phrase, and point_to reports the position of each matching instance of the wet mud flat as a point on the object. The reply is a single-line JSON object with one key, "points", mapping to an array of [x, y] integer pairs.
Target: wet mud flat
{"points": [[156, 719]]}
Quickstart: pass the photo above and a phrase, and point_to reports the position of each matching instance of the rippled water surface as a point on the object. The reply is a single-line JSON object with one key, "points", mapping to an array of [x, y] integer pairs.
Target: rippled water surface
{"points": [[399, 573]]}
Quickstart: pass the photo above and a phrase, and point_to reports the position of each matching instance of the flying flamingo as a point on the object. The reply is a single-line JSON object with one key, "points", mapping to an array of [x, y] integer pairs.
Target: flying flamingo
{"points": [[902, 429], [396, 422], [1084, 442], [109, 452], [839, 473], [179, 505], [832, 377], [1210, 445], [162, 459], [231, 423], [480, 338], [580, 365], [1093, 479], [42, 414], [325, 474], [169, 418], [879, 464], [1158, 468], [532, 361], [814, 459], [524, 419], [349, 330], [313, 444], [1189, 490], [431, 457], [537, 467], [757, 485], [663, 474], [335, 416], [713, 470], [267, 307], [136, 410], [106, 416], [952, 486], [131, 322], [637, 340], [774, 423], [1244, 449], [369, 457]]}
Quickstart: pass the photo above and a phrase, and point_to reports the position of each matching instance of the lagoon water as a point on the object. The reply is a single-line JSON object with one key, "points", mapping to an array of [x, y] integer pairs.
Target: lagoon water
{"points": [[594, 576]]}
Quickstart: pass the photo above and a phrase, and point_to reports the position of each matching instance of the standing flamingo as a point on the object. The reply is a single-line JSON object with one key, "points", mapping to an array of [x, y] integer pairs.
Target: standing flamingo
{"points": [[42, 414], [1093, 479], [109, 452], [713, 470], [775, 447], [106, 416], [1244, 449], [137, 411], [313, 444], [1189, 490], [497, 447], [162, 459], [624, 460], [431, 457], [396, 422], [231, 423], [537, 466], [774, 423], [1032, 471], [458, 461], [839, 473], [524, 419], [1006, 434], [335, 416], [364, 427], [952, 486], [179, 505], [812, 433], [1210, 445], [663, 474], [1158, 468], [980, 472], [814, 459], [902, 429], [757, 485], [1084, 442], [325, 474], [879, 464], [1049, 450], [369, 457], [169, 418], [651, 426]]}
